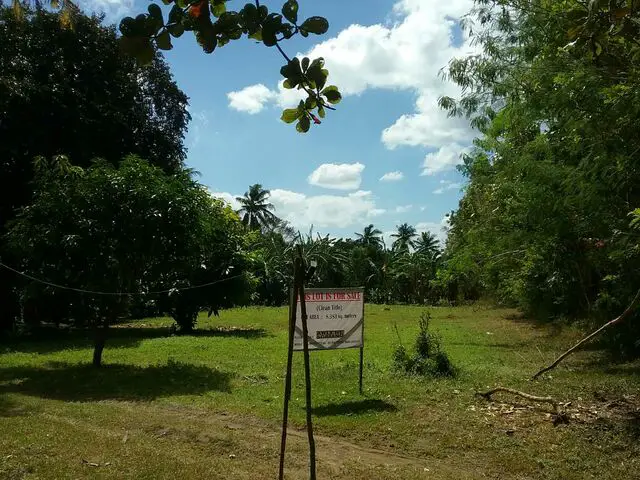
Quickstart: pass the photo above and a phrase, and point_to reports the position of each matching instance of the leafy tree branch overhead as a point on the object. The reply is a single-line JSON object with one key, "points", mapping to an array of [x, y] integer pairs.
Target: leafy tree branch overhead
{"points": [[215, 26]]}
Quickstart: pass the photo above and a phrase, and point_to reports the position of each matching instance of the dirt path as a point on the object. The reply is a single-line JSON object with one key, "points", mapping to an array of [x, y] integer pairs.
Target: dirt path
{"points": [[233, 447]]}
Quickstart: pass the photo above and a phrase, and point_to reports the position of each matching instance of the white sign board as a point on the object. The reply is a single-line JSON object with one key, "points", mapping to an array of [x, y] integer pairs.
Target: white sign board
{"points": [[335, 318]]}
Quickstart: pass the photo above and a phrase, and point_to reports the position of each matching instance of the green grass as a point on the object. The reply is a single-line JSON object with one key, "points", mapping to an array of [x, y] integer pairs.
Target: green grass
{"points": [[167, 407]]}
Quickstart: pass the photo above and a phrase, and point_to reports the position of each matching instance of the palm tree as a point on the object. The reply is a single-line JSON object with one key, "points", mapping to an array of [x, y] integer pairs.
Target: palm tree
{"points": [[404, 237], [428, 244], [255, 210], [370, 237]]}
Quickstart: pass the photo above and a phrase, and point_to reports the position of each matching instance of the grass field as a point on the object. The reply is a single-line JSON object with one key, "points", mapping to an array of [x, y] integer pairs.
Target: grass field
{"points": [[209, 405]]}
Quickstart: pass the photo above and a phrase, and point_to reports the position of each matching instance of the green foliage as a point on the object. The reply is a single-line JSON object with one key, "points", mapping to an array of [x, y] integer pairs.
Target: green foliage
{"points": [[429, 358], [387, 276], [255, 210], [71, 91], [404, 237], [543, 221], [214, 26], [130, 229]]}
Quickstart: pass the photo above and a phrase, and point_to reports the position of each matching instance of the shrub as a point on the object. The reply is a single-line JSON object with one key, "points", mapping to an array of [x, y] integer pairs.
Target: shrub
{"points": [[429, 358]]}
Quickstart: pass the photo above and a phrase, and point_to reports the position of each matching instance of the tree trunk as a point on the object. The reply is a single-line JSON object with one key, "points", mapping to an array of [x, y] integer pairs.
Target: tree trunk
{"points": [[99, 341]]}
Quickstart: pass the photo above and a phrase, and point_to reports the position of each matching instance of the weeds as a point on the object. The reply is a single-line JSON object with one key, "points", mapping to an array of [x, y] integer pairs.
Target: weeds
{"points": [[429, 358]]}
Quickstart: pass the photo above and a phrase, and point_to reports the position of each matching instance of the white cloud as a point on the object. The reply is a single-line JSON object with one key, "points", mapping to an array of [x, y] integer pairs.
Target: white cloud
{"points": [[392, 176], [427, 129], [113, 10], [227, 197], [446, 185], [344, 176], [199, 122], [321, 211], [405, 54], [403, 208], [439, 229], [324, 211], [423, 208], [250, 99], [445, 158]]}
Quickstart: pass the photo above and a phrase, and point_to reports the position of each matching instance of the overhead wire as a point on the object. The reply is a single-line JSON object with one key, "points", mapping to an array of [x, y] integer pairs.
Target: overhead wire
{"points": [[98, 292]]}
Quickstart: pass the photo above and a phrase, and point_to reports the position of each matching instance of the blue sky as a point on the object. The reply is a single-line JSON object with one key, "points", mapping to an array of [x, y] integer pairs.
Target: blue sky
{"points": [[387, 156]]}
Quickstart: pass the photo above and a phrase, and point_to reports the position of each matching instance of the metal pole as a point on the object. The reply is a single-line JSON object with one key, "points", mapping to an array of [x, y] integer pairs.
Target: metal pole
{"points": [[307, 369], [287, 383]]}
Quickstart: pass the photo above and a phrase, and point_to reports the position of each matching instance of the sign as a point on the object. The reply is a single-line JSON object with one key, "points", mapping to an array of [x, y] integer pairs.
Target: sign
{"points": [[335, 318]]}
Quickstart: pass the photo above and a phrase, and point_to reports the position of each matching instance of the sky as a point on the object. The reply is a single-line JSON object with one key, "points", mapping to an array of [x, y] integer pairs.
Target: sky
{"points": [[386, 156]]}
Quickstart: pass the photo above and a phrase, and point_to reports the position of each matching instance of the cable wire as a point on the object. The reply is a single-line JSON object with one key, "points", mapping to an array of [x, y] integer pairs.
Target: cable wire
{"points": [[96, 292]]}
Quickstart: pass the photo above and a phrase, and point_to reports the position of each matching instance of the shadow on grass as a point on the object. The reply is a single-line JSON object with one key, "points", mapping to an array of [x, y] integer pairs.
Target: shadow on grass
{"points": [[633, 428], [239, 332], [9, 408], [81, 382], [553, 327], [53, 340], [509, 346], [354, 408]]}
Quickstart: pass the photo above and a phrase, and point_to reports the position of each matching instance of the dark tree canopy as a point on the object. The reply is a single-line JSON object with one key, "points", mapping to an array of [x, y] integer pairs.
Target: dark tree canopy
{"points": [[72, 91]]}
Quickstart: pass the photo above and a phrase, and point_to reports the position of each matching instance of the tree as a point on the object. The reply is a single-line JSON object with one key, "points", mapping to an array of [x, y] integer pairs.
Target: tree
{"points": [[215, 26], [371, 236], [255, 210], [73, 92], [404, 237], [427, 244], [543, 223], [123, 231]]}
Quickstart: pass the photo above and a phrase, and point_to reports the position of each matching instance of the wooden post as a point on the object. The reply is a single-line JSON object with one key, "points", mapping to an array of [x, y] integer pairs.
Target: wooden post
{"points": [[287, 382], [307, 369], [361, 349], [361, 364]]}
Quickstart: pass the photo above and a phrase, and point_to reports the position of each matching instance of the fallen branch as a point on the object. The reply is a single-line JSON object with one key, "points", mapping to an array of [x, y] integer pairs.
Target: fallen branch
{"points": [[534, 398], [628, 311]]}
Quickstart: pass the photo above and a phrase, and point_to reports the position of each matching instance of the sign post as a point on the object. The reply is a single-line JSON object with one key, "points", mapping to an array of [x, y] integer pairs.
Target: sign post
{"points": [[335, 318], [319, 319]]}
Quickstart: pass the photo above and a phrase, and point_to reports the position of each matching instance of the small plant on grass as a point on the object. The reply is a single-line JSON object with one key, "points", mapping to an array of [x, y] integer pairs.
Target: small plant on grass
{"points": [[429, 358]]}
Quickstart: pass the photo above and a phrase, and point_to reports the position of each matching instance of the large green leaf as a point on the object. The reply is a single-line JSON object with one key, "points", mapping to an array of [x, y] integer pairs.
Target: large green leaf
{"points": [[155, 11], [290, 11], [218, 7], [270, 29], [290, 115], [128, 26], [138, 47], [176, 14], [317, 25], [163, 41], [176, 30], [317, 75], [332, 93], [303, 124], [207, 39]]}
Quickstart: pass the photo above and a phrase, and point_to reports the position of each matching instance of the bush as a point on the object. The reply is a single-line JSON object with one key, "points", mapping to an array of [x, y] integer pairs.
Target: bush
{"points": [[429, 358]]}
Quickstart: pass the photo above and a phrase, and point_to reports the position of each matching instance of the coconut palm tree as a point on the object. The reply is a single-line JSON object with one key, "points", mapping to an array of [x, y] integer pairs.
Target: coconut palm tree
{"points": [[255, 210], [427, 244], [404, 237], [370, 237]]}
